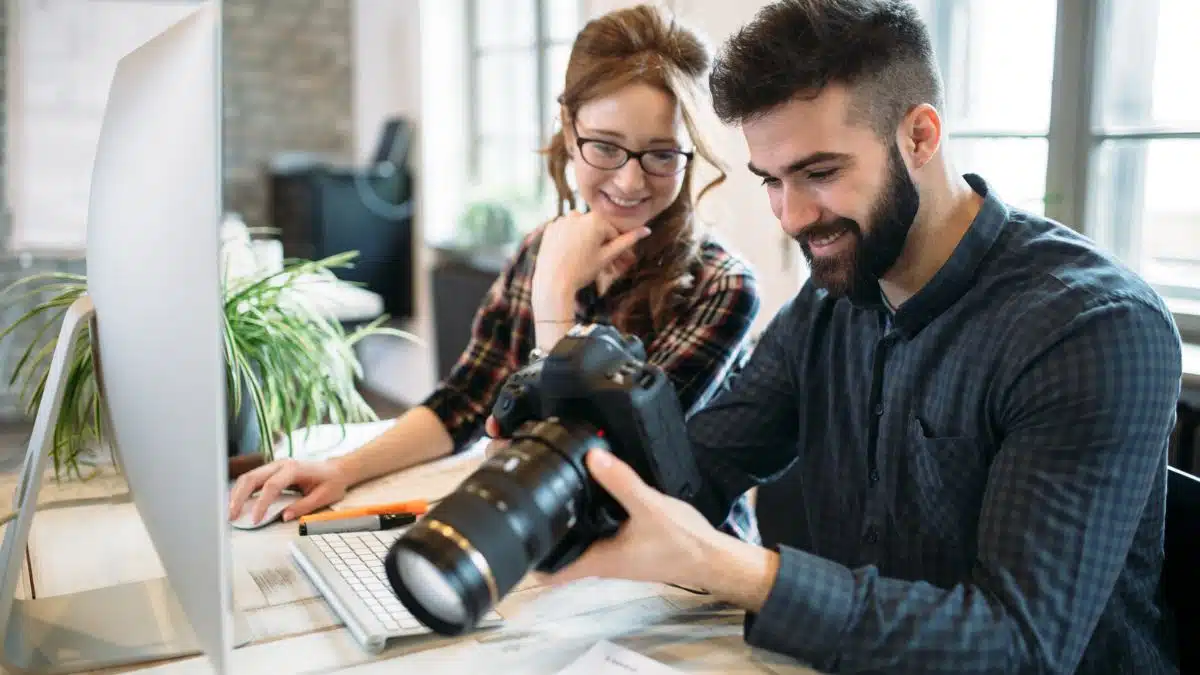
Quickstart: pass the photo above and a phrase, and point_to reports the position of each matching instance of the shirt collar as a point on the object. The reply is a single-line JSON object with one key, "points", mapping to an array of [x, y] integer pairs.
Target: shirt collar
{"points": [[958, 274]]}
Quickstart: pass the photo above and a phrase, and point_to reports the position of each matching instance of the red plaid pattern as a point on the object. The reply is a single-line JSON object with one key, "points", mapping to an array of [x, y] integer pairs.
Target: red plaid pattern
{"points": [[695, 350]]}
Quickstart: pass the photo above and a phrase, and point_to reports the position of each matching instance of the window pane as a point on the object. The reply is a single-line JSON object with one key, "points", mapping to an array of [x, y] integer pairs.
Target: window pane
{"points": [[509, 168], [506, 102], [1014, 167], [562, 19], [995, 80], [504, 23], [556, 62], [1153, 83], [1145, 207], [924, 8]]}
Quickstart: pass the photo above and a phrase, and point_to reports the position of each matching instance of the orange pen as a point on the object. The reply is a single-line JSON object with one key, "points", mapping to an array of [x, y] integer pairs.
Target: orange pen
{"points": [[417, 507]]}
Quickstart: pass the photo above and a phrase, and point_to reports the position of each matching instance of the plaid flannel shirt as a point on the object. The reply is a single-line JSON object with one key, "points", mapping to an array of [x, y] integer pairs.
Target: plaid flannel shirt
{"points": [[696, 350]]}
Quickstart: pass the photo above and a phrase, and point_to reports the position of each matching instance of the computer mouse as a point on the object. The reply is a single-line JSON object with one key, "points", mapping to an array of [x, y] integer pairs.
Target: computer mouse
{"points": [[273, 514]]}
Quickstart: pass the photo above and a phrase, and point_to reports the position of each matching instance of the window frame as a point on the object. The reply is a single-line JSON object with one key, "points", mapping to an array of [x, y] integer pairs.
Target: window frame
{"points": [[544, 90], [1076, 135]]}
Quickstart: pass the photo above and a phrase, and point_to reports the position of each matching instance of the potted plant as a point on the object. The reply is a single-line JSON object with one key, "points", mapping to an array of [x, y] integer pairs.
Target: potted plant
{"points": [[288, 366]]}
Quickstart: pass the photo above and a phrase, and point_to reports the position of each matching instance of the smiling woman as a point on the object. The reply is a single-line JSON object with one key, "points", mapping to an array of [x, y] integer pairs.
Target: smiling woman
{"points": [[636, 259]]}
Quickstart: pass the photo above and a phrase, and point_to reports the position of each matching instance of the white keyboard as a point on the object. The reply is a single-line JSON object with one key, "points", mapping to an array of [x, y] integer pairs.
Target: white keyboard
{"points": [[358, 558], [347, 569]]}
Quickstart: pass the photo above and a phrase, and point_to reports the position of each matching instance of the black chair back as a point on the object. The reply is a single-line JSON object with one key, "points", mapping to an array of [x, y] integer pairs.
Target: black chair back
{"points": [[1181, 575]]}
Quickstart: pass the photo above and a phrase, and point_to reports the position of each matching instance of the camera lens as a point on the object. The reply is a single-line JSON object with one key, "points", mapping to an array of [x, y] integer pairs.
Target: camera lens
{"points": [[456, 563]]}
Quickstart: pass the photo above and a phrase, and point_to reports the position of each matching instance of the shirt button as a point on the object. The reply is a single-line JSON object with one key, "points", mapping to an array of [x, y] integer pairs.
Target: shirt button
{"points": [[872, 535], [873, 476], [878, 409]]}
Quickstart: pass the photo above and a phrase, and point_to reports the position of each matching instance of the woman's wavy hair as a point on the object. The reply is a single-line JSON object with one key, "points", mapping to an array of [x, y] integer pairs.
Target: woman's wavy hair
{"points": [[644, 44]]}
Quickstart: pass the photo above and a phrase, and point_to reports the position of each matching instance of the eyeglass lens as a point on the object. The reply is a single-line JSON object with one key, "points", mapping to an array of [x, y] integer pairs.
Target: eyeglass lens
{"points": [[608, 156]]}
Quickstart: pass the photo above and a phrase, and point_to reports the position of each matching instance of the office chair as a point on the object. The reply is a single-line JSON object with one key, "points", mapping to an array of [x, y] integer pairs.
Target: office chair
{"points": [[323, 208], [1181, 573]]}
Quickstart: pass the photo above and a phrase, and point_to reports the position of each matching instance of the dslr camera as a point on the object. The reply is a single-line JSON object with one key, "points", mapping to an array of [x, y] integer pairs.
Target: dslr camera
{"points": [[533, 505]]}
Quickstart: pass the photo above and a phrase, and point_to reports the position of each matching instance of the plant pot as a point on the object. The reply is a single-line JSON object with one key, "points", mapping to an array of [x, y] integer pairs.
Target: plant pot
{"points": [[242, 430]]}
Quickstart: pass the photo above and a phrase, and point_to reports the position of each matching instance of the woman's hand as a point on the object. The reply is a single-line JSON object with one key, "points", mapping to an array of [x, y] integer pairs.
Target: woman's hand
{"points": [[322, 483], [575, 250]]}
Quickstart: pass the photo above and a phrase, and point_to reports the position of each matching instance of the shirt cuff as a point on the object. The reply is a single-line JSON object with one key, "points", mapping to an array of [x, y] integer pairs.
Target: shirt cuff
{"points": [[454, 410], [807, 610]]}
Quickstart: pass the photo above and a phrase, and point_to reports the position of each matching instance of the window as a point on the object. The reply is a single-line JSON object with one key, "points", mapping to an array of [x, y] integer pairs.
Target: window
{"points": [[1110, 147], [518, 59], [999, 121]]}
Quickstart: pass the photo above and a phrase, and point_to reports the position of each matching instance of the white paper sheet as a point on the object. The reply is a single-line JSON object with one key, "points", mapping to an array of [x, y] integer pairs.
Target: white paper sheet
{"points": [[264, 574], [296, 618], [326, 441], [539, 606], [606, 658]]}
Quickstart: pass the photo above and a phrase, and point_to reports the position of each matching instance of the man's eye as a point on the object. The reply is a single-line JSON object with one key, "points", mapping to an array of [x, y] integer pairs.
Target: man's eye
{"points": [[770, 181], [827, 174]]}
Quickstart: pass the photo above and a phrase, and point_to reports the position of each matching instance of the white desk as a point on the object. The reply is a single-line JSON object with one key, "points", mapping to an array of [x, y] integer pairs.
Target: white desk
{"points": [[75, 549]]}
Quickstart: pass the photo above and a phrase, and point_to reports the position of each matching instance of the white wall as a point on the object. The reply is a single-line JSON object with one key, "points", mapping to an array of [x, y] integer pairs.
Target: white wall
{"points": [[410, 60], [61, 56]]}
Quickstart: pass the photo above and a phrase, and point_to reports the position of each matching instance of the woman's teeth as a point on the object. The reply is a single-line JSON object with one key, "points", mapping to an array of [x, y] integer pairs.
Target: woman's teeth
{"points": [[627, 203]]}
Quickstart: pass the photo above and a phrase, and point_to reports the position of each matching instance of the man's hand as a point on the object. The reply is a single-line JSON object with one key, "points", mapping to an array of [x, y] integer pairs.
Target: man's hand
{"points": [[667, 540], [492, 429]]}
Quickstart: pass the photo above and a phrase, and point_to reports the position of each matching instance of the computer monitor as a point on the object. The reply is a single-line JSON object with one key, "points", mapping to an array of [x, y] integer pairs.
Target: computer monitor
{"points": [[154, 304]]}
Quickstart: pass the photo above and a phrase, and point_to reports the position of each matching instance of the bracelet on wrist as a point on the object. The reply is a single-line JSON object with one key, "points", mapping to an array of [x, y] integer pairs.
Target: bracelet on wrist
{"points": [[559, 321]]}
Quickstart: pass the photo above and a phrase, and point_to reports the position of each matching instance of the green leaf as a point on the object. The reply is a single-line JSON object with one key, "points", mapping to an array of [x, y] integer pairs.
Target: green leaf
{"points": [[296, 367]]}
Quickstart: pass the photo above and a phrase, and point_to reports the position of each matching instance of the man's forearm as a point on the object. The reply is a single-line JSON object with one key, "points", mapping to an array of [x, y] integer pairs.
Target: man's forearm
{"points": [[418, 436]]}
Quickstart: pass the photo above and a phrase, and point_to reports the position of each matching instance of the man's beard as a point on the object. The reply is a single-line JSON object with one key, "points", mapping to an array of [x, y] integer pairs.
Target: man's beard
{"points": [[855, 273]]}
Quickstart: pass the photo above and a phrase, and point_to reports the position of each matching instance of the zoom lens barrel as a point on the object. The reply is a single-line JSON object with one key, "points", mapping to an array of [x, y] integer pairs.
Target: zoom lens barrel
{"points": [[455, 564]]}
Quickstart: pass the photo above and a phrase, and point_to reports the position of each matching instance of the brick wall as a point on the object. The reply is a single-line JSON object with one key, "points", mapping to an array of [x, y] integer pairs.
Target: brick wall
{"points": [[288, 87]]}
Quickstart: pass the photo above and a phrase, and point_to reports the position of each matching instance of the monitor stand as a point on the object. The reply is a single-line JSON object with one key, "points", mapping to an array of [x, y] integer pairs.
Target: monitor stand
{"points": [[119, 625]]}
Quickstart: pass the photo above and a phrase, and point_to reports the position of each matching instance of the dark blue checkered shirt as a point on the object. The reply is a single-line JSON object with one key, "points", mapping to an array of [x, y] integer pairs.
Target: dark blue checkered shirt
{"points": [[975, 484]]}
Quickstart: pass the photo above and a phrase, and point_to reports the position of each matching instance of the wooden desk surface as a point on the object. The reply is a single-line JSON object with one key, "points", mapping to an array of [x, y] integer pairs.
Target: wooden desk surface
{"points": [[295, 631]]}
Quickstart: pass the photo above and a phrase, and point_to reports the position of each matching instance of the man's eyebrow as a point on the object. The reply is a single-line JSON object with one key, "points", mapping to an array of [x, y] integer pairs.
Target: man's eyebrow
{"points": [[803, 163]]}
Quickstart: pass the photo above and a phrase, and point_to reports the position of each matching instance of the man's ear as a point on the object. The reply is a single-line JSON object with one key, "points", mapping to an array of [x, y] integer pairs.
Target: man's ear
{"points": [[920, 134]]}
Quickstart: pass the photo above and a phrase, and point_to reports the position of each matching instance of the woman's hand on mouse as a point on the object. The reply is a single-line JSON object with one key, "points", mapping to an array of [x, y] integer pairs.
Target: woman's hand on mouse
{"points": [[322, 483]]}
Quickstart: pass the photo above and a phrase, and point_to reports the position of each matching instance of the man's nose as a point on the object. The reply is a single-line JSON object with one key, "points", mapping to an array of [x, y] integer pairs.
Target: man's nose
{"points": [[799, 209]]}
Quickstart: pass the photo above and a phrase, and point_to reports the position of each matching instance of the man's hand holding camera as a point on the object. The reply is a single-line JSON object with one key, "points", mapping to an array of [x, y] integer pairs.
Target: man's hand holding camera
{"points": [[666, 540]]}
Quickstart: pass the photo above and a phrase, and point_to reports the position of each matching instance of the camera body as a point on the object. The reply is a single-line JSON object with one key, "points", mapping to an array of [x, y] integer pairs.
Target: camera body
{"points": [[595, 383]]}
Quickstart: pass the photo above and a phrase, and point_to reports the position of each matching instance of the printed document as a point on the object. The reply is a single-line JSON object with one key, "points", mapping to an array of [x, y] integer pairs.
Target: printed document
{"points": [[605, 657]]}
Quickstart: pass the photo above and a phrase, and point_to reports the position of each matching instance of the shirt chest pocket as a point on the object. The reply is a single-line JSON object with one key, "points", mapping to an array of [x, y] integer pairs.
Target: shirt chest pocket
{"points": [[942, 483]]}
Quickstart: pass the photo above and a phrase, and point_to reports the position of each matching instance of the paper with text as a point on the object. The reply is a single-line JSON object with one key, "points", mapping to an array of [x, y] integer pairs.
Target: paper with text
{"points": [[264, 574], [605, 657]]}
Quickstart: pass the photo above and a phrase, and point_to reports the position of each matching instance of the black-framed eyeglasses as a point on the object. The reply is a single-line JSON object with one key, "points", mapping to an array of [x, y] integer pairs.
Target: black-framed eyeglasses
{"points": [[606, 155]]}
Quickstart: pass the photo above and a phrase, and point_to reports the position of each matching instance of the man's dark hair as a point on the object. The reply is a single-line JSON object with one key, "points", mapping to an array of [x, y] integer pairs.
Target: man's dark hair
{"points": [[879, 49]]}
